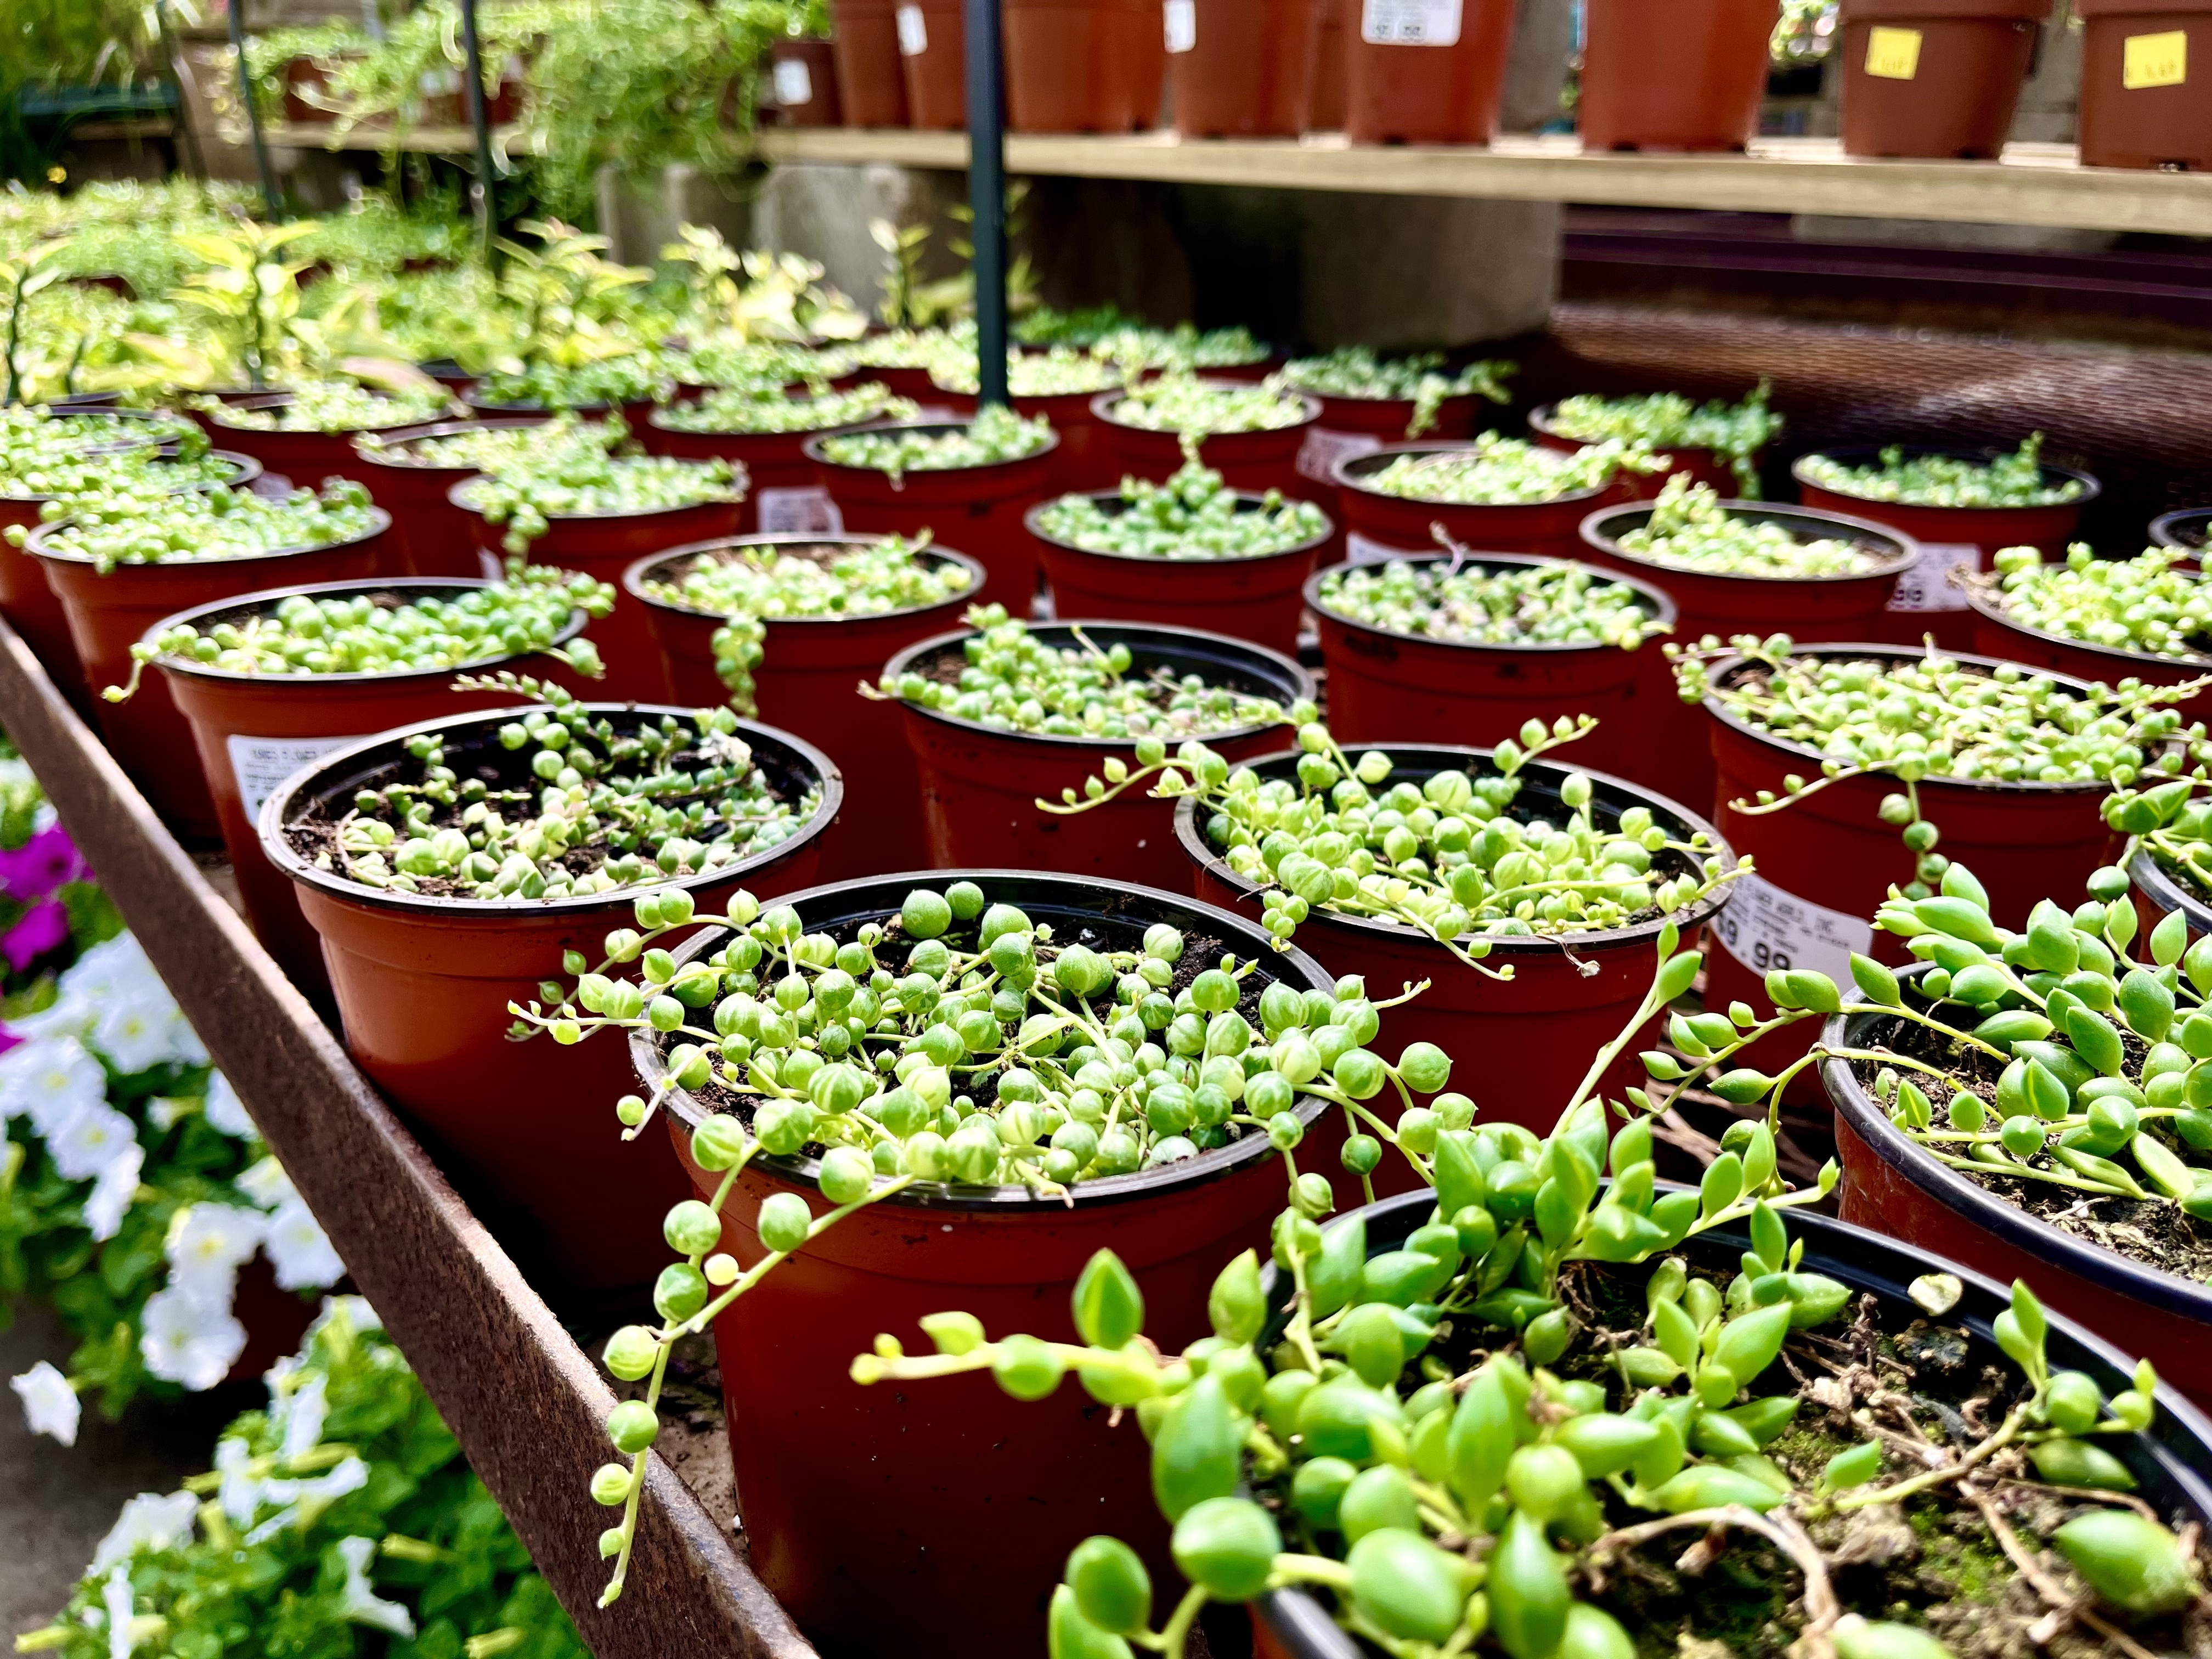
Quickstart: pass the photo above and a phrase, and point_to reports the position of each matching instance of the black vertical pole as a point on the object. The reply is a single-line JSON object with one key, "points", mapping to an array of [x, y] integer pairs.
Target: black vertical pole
{"points": [[987, 195], [480, 119], [237, 8]]}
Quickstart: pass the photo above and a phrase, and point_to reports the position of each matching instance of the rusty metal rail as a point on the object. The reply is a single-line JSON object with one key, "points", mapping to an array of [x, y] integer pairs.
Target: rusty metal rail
{"points": [[525, 1400]]}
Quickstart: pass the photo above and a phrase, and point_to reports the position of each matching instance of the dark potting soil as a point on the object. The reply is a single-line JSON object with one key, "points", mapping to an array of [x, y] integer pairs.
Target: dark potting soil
{"points": [[2154, 1233]]}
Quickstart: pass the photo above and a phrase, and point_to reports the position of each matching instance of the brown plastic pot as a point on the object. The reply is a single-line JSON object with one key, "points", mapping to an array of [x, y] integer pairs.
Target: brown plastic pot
{"points": [[253, 731], [932, 58], [1810, 609], [976, 509], [107, 615], [1377, 525], [603, 545], [1985, 529], [1831, 851], [1258, 598], [934, 1519], [1142, 21], [1893, 1186], [1680, 78], [1325, 97], [1536, 1033], [306, 457], [1257, 461], [2141, 104], [981, 784], [1071, 66], [1246, 71], [1935, 79], [439, 538], [1443, 90], [1386, 688], [771, 460], [32, 606], [1704, 466], [870, 87], [1998, 634], [807, 683], [422, 986], [808, 67]]}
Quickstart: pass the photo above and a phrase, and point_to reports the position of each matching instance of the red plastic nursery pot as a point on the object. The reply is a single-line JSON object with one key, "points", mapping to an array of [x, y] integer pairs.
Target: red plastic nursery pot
{"points": [[1950, 537], [934, 59], [1148, 60], [870, 88], [934, 1518], [1080, 462], [107, 615], [1526, 1042], [803, 77], [1704, 466], [2140, 106], [1808, 609], [1826, 863], [1241, 69], [306, 457], [1892, 1186], [776, 464], [32, 606], [806, 683], [980, 784], [603, 545], [1252, 598], [422, 986], [1674, 78], [1385, 688], [1429, 72], [1360, 426], [1380, 525], [1996, 634], [635, 411], [977, 508], [440, 537], [1935, 78], [1262, 460], [253, 730], [1071, 66]]}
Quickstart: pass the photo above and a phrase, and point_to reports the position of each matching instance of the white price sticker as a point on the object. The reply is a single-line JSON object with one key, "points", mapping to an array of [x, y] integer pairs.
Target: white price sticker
{"points": [[1409, 23], [261, 763], [1323, 448], [1362, 549], [1764, 928], [1180, 18], [805, 511], [913, 32], [794, 86], [1926, 584]]}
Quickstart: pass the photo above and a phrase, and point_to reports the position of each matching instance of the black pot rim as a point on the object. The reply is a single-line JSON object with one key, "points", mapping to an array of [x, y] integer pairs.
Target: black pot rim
{"points": [[1307, 689], [1343, 475], [380, 445], [270, 823], [1206, 1168], [812, 449], [380, 521], [454, 498], [2165, 530], [1248, 500], [1542, 419], [2093, 1263], [1660, 602], [1450, 755], [2157, 884], [1732, 662], [279, 400], [406, 586], [1853, 454], [1101, 407], [1988, 601], [1598, 531], [634, 578]]}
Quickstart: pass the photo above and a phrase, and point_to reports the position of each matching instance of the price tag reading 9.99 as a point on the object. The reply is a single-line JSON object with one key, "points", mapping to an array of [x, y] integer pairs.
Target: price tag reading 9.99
{"points": [[1766, 929]]}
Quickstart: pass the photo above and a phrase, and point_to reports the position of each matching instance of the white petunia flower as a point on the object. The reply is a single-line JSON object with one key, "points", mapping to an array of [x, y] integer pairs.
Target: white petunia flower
{"points": [[49, 1405], [360, 1602], [266, 1184], [298, 1417], [224, 1111], [354, 1309], [111, 1197], [52, 1078], [148, 1521], [300, 1250], [91, 1139], [184, 1340], [140, 1032], [207, 1245], [165, 1112], [121, 1602], [323, 1491], [240, 1493], [66, 1016]]}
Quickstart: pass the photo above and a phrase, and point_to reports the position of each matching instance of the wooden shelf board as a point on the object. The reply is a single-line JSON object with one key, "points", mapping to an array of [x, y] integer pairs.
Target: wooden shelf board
{"points": [[2033, 185], [426, 141]]}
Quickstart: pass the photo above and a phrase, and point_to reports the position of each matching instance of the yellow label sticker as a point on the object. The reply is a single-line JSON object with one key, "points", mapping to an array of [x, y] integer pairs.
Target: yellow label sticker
{"points": [[2155, 60], [1892, 54]]}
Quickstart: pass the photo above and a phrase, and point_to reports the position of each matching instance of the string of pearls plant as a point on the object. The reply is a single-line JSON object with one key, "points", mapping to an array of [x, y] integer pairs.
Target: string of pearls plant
{"points": [[1689, 529], [1193, 515], [2014, 479], [1060, 372], [996, 434], [745, 410], [1554, 603], [2146, 604], [489, 448], [194, 526], [582, 480], [1420, 377], [1668, 421], [1178, 401], [1497, 471], [335, 406]]}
